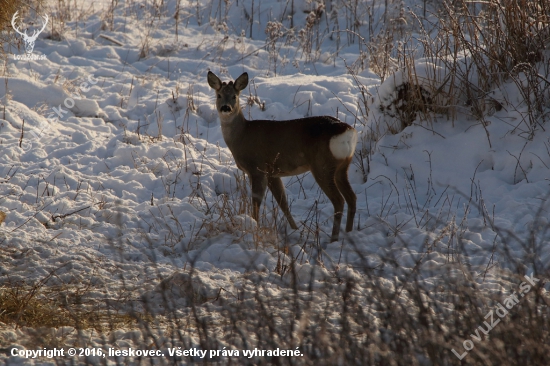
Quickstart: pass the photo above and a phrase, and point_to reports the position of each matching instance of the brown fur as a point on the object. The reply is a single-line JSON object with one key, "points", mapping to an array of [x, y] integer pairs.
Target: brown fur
{"points": [[268, 150]]}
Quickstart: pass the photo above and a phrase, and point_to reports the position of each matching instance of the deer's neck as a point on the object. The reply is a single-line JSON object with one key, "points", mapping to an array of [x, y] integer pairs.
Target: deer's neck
{"points": [[232, 127]]}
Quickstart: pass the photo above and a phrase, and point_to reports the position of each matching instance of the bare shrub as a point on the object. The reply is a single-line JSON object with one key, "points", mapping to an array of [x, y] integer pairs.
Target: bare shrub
{"points": [[7, 9], [485, 46], [309, 35], [274, 31], [407, 101]]}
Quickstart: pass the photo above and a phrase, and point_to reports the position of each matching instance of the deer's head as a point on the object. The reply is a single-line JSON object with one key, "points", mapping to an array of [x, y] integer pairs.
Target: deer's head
{"points": [[227, 94], [29, 40]]}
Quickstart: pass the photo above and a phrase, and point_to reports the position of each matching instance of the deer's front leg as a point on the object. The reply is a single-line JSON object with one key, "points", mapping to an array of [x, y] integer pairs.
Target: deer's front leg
{"points": [[278, 190], [259, 186]]}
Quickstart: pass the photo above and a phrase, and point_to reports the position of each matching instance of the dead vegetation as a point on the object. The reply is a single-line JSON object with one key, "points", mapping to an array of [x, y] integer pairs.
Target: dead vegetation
{"points": [[42, 305], [7, 9], [380, 313]]}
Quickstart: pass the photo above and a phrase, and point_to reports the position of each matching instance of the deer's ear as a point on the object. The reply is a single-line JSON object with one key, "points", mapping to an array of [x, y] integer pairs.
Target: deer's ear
{"points": [[214, 81], [241, 82]]}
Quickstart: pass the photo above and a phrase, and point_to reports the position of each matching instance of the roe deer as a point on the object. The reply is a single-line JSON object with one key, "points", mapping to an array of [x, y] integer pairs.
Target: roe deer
{"points": [[269, 150]]}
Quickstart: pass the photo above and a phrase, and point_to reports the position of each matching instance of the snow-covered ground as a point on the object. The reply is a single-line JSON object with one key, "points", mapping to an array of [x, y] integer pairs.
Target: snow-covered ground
{"points": [[122, 178]]}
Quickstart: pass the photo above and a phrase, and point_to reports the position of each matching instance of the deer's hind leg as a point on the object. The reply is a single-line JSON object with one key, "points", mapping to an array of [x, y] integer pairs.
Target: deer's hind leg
{"points": [[277, 188], [342, 182], [324, 174]]}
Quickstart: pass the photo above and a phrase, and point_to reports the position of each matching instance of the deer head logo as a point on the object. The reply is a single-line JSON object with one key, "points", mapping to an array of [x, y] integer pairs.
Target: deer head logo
{"points": [[29, 40]]}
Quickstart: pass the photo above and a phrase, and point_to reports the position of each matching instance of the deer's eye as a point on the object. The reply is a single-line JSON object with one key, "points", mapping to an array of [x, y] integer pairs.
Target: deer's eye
{"points": [[219, 96], [234, 97]]}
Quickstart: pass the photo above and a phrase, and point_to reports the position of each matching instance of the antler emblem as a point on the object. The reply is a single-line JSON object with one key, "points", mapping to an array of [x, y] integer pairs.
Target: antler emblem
{"points": [[29, 40]]}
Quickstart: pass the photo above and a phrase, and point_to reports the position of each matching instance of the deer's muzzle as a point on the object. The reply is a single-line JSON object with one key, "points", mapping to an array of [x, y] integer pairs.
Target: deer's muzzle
{"points": [[225, 108]]}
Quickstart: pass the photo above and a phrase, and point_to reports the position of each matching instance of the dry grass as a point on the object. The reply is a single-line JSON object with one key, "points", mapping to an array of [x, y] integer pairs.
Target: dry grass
{"points": [[484, 47], [39, 305], [382, 315], [7, 9]]}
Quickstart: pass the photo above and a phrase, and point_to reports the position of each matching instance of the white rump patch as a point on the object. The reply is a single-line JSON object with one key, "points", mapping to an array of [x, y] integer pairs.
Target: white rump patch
{"points": [[343, 146]]}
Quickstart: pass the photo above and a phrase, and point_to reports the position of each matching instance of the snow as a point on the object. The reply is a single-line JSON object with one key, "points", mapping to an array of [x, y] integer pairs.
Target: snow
{"points": [[123, 175]]}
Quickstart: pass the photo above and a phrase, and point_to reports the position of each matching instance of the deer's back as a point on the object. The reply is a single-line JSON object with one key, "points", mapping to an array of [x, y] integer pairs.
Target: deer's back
{"points": [[283, 148]]}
